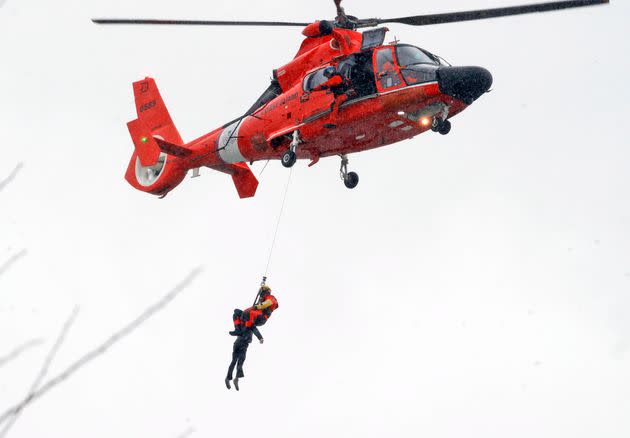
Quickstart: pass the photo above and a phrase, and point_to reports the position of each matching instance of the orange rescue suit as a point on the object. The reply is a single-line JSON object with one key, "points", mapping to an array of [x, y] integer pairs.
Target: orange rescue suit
{"points": [[335, 81], [260, 313]]}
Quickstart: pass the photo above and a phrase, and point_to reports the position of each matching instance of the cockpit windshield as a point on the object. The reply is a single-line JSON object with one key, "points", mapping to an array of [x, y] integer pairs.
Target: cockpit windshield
{"points": [[410, 55], [416, 65]]}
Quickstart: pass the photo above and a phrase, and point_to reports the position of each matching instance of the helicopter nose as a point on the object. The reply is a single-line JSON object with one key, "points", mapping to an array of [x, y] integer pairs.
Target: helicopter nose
{"points": [[464, 83]]}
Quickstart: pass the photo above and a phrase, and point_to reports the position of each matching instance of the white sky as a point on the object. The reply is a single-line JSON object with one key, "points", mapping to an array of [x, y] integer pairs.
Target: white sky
{"points": [[476, 284]]}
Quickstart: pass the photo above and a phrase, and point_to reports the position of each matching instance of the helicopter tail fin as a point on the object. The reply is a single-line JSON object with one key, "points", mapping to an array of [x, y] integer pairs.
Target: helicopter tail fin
{"points": [[153, 131], [152, 111], [242, 176]]}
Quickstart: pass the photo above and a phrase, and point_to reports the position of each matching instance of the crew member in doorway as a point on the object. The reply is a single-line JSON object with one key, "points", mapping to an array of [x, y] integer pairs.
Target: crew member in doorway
{"points": [[340, 87]]}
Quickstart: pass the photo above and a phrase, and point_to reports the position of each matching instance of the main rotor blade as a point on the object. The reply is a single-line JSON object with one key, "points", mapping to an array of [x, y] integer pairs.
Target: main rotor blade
{"points": [[193, 22], [339, 8], [453, 17]]}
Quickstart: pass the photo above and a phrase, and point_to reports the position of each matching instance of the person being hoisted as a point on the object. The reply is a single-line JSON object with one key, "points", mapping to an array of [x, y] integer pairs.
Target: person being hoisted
{"points": [[246, 323], [339, 86], [239, 353]]}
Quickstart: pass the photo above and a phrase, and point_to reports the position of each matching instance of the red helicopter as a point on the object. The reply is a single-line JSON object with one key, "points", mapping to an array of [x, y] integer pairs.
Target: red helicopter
{"points": [[393, 92]]}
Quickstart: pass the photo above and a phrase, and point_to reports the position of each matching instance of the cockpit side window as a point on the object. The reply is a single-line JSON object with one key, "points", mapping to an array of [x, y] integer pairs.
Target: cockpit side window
{"points": [[313, 80], [387, 72], [416, 65]]}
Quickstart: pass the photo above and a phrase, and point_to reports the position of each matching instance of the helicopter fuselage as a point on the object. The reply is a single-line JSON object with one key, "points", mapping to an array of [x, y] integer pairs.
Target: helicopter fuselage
{"points": [[395, 92]]}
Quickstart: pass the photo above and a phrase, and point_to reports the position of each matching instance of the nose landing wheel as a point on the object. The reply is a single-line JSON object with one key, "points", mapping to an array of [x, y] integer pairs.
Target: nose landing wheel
{"points": [[441, 126], [350, 179]]}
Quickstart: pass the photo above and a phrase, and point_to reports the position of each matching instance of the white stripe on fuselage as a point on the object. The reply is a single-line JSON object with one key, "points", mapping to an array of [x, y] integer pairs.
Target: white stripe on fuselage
{"points": [[228, 144]]}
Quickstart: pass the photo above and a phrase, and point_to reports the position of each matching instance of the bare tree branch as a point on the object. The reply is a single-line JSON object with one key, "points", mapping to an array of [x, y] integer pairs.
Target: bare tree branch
{"points": [[19, 350], [102, 349], [185, 434], [15, 171], [43, 371], [14, 258]]}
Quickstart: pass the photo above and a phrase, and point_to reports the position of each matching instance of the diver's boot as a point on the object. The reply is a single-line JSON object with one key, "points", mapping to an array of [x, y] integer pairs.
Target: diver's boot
{"points": [[227, 383], [236, 383]]}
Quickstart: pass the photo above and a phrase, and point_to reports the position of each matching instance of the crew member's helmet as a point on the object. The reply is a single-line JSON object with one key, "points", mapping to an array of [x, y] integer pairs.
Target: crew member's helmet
{"points": [[265, 290], [329, 71]]}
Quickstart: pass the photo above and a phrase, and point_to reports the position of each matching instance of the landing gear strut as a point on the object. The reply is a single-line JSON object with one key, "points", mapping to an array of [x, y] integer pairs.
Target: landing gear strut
{"points": [[441, 126], [289, 157], [350, 179]]}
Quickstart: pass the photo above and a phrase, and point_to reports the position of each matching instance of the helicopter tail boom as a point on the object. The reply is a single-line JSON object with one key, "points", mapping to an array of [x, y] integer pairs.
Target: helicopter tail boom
{"points": [[161, 159]]}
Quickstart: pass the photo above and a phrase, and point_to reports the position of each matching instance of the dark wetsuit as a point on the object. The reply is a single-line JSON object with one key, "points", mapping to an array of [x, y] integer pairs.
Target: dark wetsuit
{"points": [[239, 352]]}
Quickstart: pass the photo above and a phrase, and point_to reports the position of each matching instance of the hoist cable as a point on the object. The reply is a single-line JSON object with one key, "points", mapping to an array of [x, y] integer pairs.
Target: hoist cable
{"points": [[263, 169], [275, 234]]}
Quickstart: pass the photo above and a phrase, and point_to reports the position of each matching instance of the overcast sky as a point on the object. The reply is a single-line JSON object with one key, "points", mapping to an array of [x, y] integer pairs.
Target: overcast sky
{"points": [[475, 284]]}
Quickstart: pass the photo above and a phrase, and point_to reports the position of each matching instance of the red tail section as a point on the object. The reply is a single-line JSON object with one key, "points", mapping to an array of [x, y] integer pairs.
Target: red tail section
{"points": [[152, 111], [151, 169], [161, 159], [153, 121], [244, 180]]}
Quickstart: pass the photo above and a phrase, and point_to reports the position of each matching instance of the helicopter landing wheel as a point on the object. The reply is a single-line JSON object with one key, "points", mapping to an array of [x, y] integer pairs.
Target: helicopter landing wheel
{"points": [[444, 127], [351, 180], [441, 126], [288, 159]]}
